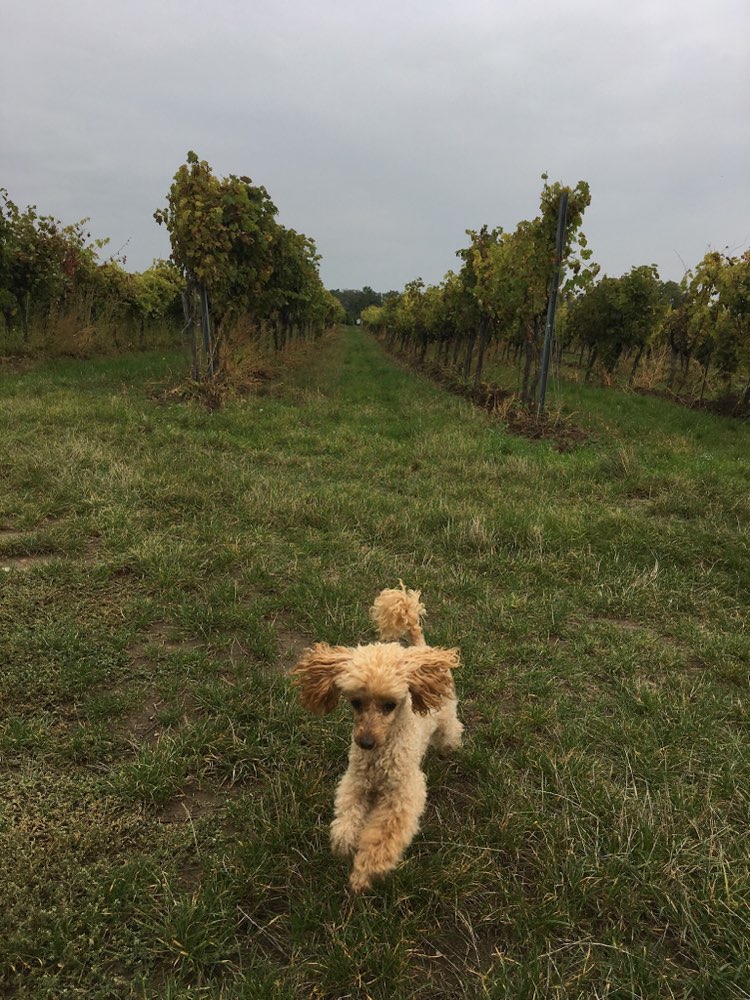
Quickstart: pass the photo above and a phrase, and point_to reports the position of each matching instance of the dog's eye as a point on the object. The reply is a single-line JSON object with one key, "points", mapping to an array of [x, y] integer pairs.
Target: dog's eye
{"points": [[388, 707], [356, 704]]}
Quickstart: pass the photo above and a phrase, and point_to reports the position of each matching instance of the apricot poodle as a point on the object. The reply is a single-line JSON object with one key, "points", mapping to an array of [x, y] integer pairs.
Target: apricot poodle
{"points": [[403, 701]]}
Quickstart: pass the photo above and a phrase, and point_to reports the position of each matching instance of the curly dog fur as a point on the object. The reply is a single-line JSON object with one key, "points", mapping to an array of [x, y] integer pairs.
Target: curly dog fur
{"points": [[403, 701]]}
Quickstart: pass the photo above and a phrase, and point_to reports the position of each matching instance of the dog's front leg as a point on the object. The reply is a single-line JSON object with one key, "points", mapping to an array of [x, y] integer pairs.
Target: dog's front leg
{"points": [[390, 828], [349, 816]]}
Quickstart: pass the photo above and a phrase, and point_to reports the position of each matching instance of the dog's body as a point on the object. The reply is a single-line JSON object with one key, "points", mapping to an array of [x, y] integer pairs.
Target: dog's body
{"points": [[404, 701]]}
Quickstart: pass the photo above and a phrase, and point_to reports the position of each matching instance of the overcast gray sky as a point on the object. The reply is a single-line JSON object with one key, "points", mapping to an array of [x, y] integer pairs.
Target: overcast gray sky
{"points": [[384, 130]]}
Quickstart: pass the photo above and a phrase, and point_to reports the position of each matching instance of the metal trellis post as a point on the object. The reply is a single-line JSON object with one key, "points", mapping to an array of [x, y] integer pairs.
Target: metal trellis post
{"points": [[552, 301]]}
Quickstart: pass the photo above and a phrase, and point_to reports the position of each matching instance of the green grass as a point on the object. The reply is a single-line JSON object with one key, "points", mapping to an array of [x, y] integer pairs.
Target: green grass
{"points": [[164, 801]]}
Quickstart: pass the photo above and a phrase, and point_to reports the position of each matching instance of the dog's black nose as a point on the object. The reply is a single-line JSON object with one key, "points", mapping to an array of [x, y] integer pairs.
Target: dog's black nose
{"points": [[366, 742]]}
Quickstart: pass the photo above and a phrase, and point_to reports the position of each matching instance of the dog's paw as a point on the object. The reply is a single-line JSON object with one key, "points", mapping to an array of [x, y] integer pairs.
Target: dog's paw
{"points": [[447, 739], [359, 881], [447, 747], [343, 840]]}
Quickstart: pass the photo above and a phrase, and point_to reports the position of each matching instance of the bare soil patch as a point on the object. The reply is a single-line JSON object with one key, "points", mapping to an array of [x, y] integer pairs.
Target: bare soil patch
{"points": [[24, 553], [21, 555], [189, 875], [626, 624], [291, 644], [193, 803], [142, 725], [693, 666], [159, 635], [25, 563], [11, 535]]}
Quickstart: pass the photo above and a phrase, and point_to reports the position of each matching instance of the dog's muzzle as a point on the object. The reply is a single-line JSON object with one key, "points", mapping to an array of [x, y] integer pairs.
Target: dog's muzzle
{"points": [[365, 742]]}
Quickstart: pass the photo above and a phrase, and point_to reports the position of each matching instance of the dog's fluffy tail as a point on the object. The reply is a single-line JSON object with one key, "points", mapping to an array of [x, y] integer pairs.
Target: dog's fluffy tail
{"points": [[397, 613]]}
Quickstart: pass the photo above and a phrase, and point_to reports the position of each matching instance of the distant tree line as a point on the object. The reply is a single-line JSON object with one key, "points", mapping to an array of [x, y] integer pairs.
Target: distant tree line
{"points": [[356, 300]]}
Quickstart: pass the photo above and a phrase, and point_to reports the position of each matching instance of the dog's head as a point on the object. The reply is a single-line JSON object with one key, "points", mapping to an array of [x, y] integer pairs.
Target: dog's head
{"points": [[380, 681]]}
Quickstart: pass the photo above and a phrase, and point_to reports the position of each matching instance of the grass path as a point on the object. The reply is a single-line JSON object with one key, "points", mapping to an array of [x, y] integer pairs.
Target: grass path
{"points": [[163, 799]]}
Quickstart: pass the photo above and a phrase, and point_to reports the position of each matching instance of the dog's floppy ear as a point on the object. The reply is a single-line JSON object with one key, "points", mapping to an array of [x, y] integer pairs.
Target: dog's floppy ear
{"points": [[429, 676], [316, 674]]}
